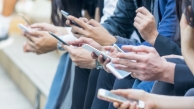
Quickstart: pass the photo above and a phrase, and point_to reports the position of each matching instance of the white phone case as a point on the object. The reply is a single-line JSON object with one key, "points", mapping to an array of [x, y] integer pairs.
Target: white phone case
{"points": [[23, 28], [96, 51], [111, 97], [120, 74]]}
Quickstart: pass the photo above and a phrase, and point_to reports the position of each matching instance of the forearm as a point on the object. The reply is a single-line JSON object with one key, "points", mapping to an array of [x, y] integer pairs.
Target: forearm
{"points": [[172, 102]]}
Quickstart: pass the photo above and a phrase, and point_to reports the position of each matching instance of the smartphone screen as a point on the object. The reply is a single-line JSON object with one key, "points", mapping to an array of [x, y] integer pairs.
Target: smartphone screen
{"points": [[58, 38]]}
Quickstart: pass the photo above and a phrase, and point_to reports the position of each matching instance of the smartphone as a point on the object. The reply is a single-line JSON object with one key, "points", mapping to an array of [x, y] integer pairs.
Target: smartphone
{"points": [[55, 36], [66, 15], [111, 97], [119, 49], [96, 51], [23, 27], [120, 74]]}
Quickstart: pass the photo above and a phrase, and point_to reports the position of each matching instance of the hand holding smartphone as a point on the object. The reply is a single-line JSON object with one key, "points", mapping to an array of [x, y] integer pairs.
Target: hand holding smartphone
{"points": [[120, 74], [66, 15], [24, 28], [96, 51], [111, 97]]}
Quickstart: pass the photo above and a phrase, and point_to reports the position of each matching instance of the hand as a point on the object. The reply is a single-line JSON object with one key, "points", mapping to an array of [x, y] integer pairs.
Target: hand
{"points": [[39, 42], [187, 40], [146, 25], [81, 57], [149, 66], [49, 27], [112, 53], [136, 95], [83, 40], [92, 29], [174, 56]]}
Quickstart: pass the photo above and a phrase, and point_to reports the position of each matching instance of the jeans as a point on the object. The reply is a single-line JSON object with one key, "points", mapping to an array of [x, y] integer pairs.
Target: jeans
{"points": [[58, 82]]}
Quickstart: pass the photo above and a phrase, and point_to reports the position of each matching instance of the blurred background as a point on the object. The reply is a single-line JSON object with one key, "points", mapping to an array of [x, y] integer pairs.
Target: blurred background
{"points": [[25, 78]]}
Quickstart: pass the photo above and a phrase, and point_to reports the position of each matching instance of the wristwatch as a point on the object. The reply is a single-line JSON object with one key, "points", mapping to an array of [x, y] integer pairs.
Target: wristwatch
{"points": [[60, 46], [98, 65]]}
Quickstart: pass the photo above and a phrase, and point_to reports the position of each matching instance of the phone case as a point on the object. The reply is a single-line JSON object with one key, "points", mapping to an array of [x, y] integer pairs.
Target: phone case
{"points": [[23, 28], [96, 51], [120, 74]]}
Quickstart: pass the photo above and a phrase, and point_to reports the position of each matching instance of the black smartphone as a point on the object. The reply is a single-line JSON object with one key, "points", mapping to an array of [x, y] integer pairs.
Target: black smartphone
{"points": [[58, 38], [66, 15]]}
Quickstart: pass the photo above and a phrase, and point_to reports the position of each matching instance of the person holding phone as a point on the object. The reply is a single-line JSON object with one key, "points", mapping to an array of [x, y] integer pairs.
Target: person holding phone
{"points": [[158, 101], [125, 29]]}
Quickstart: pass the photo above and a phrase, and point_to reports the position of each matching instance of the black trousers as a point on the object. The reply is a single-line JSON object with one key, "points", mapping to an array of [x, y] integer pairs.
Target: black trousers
{"points": [[85, 81]]}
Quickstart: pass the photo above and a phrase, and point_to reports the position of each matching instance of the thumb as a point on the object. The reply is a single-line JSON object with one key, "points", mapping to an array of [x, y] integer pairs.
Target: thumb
{"points": [[130, 48], [37, 25], [94, 23], [36, 33], [130, 93]]}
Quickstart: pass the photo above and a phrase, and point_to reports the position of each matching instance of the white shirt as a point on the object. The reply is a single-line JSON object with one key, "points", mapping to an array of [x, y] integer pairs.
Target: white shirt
{"points": [[109, 8]]}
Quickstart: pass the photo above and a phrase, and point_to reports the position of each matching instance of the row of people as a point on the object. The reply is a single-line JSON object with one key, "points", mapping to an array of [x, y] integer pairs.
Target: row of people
{"points": [[158, 25]]}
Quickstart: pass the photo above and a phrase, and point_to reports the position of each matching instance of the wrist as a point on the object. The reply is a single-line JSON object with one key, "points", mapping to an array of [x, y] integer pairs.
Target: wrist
{"points": [[168, 72], [111, 40], [153, 39]]}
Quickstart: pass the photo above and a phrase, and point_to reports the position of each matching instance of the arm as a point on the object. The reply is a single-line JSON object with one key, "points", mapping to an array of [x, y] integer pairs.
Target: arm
{"points": [[109, 7], [153, 101], [169, 22], [170, 46], [121, 23]]}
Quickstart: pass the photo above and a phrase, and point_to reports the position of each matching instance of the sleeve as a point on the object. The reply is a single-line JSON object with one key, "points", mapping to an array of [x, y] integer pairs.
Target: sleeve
{"points": [[183, 77], [121, 23], [169, 22], [165, 46]]}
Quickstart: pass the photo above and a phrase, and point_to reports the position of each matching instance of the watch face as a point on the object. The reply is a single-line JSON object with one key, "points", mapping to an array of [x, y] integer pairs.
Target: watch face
{"points": [[59, 46]]}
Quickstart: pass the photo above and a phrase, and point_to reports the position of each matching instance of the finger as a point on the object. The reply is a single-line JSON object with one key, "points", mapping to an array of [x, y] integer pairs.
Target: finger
{"points": [[116, 105], [137, 25], [30, 43], [37, 25], [68, 22], [30, 48], [143, 10], [84, 19], [135, 49], [105, 63], [94, 23], [121, 92], [133, 105], [101, 59], [67, 48], [36, 33], [77, 30], [110, 48], [141, 16], [79, 22], [94, 56], [125, 105], [131, 57], [138, 20], [33, 38]]}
